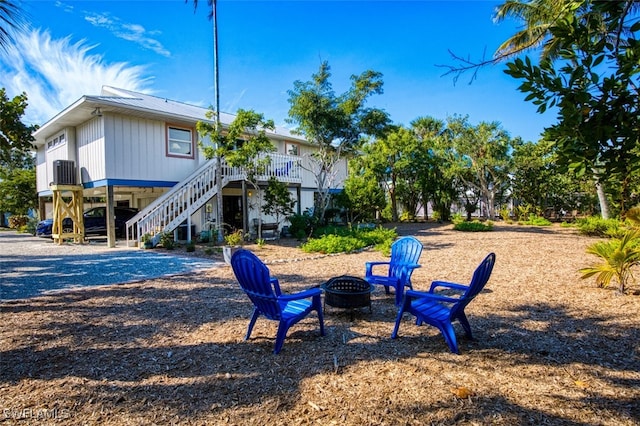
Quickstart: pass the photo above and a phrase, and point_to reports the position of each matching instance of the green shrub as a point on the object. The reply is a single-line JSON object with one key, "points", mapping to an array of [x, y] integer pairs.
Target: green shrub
{"points": [[191, 246], [302, 225], [407, 217], [385, 247], [331, 230], [474, 226], [379, 235], [505, 214], [524, 211], [333, 244], [619, 257], [166, 239], [535, 220], [235, 238], [457, 218], [596, 226], [31, 225], [348, 240]]}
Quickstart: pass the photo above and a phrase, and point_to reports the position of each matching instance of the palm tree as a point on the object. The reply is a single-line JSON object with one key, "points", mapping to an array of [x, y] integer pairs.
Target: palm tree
{"points": [[538, 17], [11, 19], [620, 256]]}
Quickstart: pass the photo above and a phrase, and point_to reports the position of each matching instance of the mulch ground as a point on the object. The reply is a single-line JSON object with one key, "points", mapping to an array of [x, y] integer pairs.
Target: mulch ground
{"points": [[549, 348]]}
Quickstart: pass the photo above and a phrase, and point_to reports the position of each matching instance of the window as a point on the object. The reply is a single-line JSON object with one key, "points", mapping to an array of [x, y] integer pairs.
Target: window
{"points": [[179, 142], [57, 141], [291, 148]]}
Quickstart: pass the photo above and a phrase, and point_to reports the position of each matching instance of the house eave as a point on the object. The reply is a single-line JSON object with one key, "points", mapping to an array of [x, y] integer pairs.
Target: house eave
{"points": [[84, 109]]}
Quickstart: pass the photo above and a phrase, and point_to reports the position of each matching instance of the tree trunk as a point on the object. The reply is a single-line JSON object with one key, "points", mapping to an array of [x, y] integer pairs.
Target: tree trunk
{"points": [[491, 206], [219, 213], [394, 202], [602, 198]]}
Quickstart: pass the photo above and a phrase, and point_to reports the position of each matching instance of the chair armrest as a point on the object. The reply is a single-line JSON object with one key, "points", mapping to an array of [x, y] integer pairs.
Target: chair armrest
{"points": [[276, 285], [302, 295], [454, 286], [369, 267], [406, 269], [411, 266], [412, 294]]}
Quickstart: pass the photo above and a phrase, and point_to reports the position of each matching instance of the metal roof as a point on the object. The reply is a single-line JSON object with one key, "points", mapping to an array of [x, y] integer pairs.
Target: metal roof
{"points": [[131, 103]]}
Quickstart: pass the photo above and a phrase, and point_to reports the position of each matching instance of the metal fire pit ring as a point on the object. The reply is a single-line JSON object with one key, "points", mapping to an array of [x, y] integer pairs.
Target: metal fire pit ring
{"points": [[347, 292]]}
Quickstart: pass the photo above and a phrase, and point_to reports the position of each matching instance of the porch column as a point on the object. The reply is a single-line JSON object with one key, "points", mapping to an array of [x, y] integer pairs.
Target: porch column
{"points": [[42, 208], [111, 218]]}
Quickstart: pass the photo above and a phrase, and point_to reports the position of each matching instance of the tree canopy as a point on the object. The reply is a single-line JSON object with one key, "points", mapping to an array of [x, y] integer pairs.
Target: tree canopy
{"points": [[594, 85], [241, 145], [15, 137], [11, 19], [335, 124], [17, 167]]}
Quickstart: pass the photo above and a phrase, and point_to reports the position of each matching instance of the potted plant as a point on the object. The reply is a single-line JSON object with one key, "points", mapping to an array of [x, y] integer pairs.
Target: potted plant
{"points": [[233, 242]]}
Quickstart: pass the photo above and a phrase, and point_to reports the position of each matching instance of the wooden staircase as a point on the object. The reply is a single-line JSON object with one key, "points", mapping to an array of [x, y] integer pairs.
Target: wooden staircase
{"points": [[176, 206]]}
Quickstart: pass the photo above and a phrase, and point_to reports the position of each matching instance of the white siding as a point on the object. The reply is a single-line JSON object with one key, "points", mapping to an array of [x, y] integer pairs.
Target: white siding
{"points": [[309, 167], [41, 170], [90, 140], [341, 173], [137, 151], [45, 157], [306, 200], [72, 149]]}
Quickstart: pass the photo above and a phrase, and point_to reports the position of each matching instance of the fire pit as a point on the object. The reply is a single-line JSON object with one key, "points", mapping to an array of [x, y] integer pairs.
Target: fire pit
{"points": [[347, 292]]}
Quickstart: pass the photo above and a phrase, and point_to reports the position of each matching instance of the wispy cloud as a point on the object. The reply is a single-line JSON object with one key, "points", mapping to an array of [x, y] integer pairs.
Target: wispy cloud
{"points": [[64, 6], [232, 105], [131, 32], [56, 73]]}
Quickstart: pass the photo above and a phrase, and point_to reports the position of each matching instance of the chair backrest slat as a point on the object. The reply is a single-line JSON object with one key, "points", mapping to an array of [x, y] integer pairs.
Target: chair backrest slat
{"points": [[254, 278], [405, 251], [480, 278]]}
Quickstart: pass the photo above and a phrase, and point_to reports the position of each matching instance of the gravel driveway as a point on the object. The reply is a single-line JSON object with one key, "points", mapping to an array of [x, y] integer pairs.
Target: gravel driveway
{"points": [[31, 266]]}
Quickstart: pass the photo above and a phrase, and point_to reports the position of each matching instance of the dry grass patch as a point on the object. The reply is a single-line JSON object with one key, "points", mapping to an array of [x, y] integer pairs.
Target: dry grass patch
{"points": [[550, 348]]}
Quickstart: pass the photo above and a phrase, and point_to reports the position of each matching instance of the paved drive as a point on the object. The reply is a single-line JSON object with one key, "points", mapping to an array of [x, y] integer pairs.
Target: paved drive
{"points": [[31, 266]]}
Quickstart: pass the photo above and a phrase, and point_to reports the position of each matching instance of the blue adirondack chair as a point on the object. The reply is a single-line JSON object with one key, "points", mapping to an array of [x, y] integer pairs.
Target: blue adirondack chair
{"points": [[264, 291], [439, 310], [396, 273]]}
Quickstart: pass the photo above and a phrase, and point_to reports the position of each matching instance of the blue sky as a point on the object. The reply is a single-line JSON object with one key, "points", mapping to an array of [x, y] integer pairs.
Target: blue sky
{"points": [[164, 48]]}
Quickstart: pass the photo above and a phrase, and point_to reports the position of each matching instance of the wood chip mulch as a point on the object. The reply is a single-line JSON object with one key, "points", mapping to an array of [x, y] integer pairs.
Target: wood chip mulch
{"points": [[549, 349]]}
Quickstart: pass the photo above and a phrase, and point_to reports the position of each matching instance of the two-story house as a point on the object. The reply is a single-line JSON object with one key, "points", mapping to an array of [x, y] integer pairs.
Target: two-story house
{"points": [[123, 148]]}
